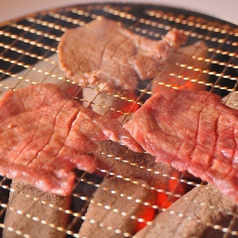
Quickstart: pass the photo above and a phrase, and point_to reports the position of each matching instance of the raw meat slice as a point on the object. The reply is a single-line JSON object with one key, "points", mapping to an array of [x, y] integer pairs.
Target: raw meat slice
{"points": [[104, 54], [44, 135], [191, 130]]}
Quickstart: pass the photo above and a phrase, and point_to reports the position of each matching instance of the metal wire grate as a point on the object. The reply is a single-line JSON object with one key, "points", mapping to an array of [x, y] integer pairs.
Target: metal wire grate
{"points": [[28, 49]]}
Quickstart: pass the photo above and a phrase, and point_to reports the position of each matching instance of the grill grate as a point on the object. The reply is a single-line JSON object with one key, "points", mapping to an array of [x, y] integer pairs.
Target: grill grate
{"points": [[28, 49]]}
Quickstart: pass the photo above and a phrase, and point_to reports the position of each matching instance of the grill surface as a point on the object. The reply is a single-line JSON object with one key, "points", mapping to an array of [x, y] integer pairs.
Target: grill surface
{"points": [[28, 49]]}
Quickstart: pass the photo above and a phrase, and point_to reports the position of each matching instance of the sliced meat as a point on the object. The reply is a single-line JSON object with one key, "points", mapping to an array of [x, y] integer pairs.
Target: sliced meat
{"points": [[33, 212], [192, 131], [183, 69], [196, 214], [104, 54], [113, 210], [151, 54], [44, 135]]}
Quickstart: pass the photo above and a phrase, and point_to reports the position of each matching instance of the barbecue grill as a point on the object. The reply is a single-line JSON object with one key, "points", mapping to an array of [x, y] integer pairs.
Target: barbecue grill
{"points": [[28, 56]]}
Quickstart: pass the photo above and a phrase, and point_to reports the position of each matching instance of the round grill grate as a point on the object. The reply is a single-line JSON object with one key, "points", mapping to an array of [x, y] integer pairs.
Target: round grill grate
{"points": [[28, 55]]}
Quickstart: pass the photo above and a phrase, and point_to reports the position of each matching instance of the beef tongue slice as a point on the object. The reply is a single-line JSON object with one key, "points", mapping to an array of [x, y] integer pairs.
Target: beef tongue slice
{"points": [[193, 131], [45, 134], [106, 55], [184, 69]]}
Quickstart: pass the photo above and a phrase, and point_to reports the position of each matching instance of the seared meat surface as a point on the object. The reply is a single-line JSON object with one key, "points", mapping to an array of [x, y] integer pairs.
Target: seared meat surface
{"points": [[44, 134], [104, 54], [191, 130], [184, 69]]}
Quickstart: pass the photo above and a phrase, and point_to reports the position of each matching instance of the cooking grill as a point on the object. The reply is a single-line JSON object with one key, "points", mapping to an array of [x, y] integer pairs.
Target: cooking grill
{"points": [[28, 56]]}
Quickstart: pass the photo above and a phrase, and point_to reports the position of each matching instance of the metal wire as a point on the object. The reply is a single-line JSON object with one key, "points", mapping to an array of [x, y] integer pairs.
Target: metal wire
{"points": [[28, 55]]}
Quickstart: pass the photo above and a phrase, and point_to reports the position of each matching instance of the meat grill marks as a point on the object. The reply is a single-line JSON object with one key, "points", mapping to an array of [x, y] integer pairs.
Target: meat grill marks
{"points": [[192, 131], [104, 54], [44, 135]]}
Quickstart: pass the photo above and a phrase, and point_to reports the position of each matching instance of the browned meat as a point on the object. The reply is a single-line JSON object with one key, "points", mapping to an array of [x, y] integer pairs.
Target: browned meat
{"points": [[197, 214], [44, 135], [151, 53], [184, 69], [104, 54], [191, 130]]}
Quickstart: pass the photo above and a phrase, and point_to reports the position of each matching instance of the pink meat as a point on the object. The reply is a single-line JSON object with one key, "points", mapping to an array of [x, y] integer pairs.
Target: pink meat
{"points": [[44, 135], [194, 131], [105, 54]]}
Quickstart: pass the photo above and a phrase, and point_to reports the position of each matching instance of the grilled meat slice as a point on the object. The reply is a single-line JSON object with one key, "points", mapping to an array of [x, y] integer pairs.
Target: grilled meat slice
{"points": [[104, 54], [184, 69], [193, 131], [44, 134]]}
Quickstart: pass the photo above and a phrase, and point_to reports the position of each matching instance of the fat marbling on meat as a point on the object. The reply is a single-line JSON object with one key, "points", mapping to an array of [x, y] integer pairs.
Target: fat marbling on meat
{"points": [[191, 130], [104, 54], [45, 134]]}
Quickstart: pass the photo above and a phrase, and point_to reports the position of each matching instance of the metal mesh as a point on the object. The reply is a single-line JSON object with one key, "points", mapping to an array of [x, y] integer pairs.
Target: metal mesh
{"points": [[28, 56]]}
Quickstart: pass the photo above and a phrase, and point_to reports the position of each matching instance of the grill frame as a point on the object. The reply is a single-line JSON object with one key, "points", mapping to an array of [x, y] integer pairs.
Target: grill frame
{"points": [[32, 39]]}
